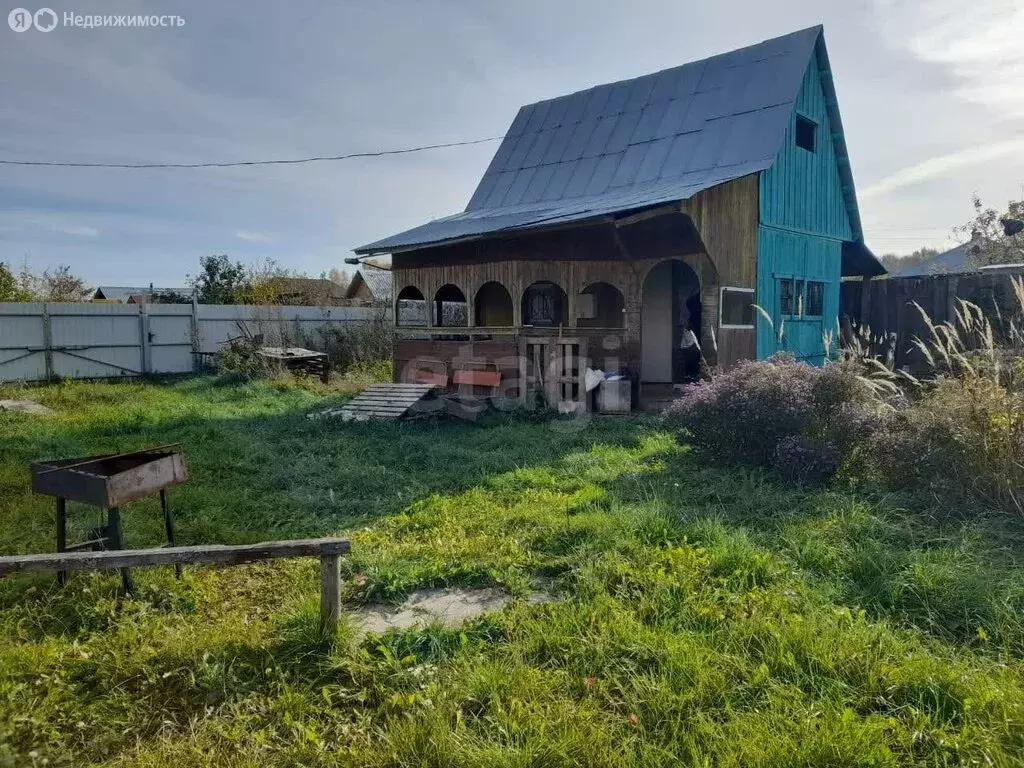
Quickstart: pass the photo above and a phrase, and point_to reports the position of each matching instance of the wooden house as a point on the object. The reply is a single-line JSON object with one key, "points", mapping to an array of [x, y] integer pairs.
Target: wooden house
{"points": [[613, 218], [370, 284]]}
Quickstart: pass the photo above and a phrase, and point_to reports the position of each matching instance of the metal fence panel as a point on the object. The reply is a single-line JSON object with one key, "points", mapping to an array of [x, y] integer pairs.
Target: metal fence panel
{"points": [[84, 341], [95, 341], [169, 338], [22, 341]]}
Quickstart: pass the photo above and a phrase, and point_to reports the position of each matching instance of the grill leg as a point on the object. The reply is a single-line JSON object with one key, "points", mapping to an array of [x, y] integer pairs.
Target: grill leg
{"points": [[169, 527], [116, 537], [62, 536]]}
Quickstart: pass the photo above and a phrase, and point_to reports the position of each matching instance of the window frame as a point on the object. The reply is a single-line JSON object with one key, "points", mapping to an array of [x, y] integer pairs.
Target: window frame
{"points": [[807, 303], [814, 126], [721, 308], [780, 279]]}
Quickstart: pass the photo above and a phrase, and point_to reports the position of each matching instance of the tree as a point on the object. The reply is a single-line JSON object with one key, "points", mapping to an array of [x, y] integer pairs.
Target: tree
{"points": [[339, 276], [990, 244], [8, 284], [21, 287], [169, 297], [219, 281], [894, 262], [61, 285], [268, 284]]}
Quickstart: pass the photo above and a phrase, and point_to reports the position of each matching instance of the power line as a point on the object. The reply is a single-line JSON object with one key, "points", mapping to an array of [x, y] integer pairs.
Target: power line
{"points": [[294, 161]]}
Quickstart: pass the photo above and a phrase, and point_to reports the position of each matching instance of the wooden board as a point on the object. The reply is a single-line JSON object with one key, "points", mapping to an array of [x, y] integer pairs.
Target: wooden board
{"points": [[208, 554], [384, 401]]}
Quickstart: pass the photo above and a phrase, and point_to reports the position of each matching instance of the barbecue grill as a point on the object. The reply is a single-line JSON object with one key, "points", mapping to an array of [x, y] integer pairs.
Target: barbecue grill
{"points": [[108, 482]]}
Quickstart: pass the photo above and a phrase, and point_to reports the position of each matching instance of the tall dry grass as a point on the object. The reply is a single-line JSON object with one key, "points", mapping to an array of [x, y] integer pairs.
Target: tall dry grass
{"points": [[959, 433]]}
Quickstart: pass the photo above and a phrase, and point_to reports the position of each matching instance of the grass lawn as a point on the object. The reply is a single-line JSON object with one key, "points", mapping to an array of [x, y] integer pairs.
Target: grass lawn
{"points": [[702, 617]]}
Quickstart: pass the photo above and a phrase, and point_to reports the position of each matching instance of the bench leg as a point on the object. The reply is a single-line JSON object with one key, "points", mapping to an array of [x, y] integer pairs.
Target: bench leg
{"points": [[330, 593], [115, 534], [169, 527], [62, 536]]}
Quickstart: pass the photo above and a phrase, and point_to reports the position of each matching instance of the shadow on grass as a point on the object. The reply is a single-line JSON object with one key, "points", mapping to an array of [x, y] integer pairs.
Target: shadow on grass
{"points": [[269, 476]]}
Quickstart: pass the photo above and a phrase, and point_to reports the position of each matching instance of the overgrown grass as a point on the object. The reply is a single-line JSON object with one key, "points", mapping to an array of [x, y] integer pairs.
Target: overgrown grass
{"points": [[702, 617]]}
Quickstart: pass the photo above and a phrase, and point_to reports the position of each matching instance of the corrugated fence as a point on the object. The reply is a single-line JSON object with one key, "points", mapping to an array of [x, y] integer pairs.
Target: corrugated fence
{"points": [[93, 341]]}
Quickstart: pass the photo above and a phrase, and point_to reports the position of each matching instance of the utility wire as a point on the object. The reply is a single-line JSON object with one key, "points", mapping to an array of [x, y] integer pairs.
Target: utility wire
{"points": [[294, 161]]}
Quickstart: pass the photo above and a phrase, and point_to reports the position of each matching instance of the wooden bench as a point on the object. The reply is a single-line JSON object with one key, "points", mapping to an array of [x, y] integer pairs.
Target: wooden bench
{"points": [[328, 550]]}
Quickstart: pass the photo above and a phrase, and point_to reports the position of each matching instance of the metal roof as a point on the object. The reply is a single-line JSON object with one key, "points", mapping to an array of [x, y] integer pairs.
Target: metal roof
{"points": [[952, 261], [635, 143], [377, 280]]}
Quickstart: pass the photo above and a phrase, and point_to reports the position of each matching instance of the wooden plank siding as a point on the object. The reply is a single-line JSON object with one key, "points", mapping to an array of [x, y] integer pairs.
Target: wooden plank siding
{"points": [[715, 233], [803, 223], [726, 217]]}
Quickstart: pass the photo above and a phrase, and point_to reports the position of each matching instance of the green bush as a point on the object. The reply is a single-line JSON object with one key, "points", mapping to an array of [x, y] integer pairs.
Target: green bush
{"points": [[360, 344], [239, 360]]}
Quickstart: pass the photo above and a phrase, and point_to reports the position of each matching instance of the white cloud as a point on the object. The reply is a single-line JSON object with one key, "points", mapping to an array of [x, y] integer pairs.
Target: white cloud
{"points": [[61, 225], [251, 236], [79, 231], [980, 44], [943, 165]]}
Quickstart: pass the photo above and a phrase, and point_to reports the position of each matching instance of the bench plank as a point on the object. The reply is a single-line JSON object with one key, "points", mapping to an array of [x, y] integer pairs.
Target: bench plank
{"points": [[207, 554]]}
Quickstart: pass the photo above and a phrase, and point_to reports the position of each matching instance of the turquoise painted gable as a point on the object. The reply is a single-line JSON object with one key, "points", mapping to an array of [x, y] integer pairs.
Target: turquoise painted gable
{"points": [[803, 222], [802, 190]]}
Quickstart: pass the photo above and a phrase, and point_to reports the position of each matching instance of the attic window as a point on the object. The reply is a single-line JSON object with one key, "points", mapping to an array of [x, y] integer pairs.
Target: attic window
{"points": [[806, 133]]}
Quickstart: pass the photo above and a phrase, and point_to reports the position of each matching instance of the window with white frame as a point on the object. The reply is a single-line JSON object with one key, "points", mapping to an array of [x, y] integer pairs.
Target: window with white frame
{"points": [[736, 308]]}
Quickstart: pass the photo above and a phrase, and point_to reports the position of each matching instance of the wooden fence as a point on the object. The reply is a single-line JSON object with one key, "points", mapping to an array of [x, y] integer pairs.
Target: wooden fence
{"points": [[887, 307]]}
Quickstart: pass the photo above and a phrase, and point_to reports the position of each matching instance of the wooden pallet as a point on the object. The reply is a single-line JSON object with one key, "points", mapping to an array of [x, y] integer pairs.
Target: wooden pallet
{"points": [[385, 401]]}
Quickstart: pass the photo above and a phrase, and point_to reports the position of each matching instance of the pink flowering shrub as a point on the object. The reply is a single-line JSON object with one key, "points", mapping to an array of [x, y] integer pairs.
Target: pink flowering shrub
{"points": [[743, 416]]}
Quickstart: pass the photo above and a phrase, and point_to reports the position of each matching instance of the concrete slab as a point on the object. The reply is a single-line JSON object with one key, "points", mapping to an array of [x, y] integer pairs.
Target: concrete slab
{"points": [[450, 607], [24, 406]]}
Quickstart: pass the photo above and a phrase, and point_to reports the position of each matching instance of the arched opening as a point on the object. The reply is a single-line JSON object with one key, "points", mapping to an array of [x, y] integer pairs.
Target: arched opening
{"points": [[671, 306], [450, 307], [410, 307], [545, 305], [600, 305], [493, 306]]}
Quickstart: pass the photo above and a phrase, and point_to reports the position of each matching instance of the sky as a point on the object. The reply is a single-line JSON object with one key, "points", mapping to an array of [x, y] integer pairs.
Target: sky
{"points": [[931, 93]]}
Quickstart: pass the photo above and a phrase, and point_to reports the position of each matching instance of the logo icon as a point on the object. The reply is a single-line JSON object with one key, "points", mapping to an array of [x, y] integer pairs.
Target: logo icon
{"points": [[19, 19], [45, 19]]}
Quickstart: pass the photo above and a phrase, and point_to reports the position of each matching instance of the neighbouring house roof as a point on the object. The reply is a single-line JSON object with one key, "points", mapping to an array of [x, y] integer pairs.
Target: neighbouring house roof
{"points": [[637, 143], [122, 292], [952, 261], [317, 290], [378, 281]]}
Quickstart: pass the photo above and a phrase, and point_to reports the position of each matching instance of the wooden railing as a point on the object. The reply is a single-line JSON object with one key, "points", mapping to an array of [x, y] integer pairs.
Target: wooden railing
{"points": [[328, 550], [471, 331]]}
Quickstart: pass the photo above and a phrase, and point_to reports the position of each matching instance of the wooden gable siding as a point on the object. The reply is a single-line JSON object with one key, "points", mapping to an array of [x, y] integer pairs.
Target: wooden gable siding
{"points": [[803, 223], [726, 218]]}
